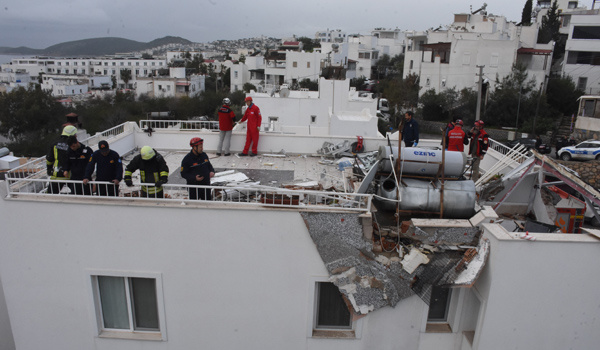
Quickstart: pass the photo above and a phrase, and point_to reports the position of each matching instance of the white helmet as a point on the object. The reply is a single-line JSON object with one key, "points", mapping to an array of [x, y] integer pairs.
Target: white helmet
{"points": [[226, 101]]}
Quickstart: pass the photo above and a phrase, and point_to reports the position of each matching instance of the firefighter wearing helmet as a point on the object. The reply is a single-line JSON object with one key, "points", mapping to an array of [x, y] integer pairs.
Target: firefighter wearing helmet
{"points": [[478, 147], [153, 170], [197, 170], [57, 159], [254, 118], [226, 123]]}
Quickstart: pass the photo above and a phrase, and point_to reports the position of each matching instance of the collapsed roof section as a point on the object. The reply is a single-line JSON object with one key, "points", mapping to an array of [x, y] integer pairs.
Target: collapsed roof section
{"points": [[522, 190], [372, 274]]}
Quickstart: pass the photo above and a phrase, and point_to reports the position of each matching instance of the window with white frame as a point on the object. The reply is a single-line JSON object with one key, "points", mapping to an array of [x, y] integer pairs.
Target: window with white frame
{"points": [[129, 306]]}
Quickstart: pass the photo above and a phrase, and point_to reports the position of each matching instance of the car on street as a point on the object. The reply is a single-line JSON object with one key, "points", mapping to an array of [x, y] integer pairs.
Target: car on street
{"points": [[529, 143], [586, 150]]}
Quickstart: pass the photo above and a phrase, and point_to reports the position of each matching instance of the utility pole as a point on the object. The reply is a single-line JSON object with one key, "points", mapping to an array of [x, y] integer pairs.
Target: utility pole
{"points": [[479, 86], [537, 107]]}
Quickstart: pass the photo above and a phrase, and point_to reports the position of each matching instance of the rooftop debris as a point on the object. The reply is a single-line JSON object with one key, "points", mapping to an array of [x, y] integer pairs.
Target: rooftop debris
{"points": [[404, 264]]}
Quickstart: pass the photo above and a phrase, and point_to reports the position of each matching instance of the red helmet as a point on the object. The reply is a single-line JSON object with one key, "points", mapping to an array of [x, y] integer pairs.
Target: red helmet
{"points": [[196, 141], [248, 99], [480, 123], [459, 122]]}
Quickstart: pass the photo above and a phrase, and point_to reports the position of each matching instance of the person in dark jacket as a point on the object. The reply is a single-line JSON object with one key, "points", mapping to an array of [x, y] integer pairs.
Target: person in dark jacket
{"points": [[197, 170], [153, 169], [109, 168], [79, 158], [410, 131], [478, 147], [57, 160]]}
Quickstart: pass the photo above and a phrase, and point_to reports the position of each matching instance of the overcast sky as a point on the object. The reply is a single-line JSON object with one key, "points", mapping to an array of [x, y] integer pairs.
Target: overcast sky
{"points": [[42, 23]]}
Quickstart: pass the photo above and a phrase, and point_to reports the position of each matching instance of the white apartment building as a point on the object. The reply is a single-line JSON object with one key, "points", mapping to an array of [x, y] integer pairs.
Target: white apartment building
{"points": [[175, 85], [10, 80], [331, 36], [280, 67], [81, 67], [64, 86], [335, 109], [451, 57], [358, 53], [251, 71]]}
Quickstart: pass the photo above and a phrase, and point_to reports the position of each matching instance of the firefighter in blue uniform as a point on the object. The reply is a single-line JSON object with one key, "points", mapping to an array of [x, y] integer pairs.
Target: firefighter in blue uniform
{"points": [[109, 168], [79, 157], [153, 169], [197, 170], [57, 160]]}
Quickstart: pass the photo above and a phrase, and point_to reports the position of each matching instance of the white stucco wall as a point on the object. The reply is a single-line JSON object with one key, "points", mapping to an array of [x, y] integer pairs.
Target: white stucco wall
{"points": [[231, 278], [540, 294], [6, 338]]}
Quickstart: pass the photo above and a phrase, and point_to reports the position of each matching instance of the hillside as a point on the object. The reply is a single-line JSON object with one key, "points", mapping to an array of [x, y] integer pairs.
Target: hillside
{"points": [[94, 47]]}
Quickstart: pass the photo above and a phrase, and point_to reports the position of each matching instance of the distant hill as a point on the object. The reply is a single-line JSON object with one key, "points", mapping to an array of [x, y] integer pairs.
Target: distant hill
{"points": [[94, 47]]}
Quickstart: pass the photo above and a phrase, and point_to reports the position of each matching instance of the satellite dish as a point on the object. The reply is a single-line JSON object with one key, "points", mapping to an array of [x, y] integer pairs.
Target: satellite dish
{"points": [[284, 92]]}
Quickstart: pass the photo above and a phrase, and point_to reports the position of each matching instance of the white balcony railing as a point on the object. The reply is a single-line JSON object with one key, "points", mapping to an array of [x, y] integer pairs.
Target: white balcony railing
{"points": [[179, 124], [249, 195]]}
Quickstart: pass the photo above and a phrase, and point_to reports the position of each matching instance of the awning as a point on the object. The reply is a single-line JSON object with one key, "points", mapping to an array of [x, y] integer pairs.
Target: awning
{"points": [[183, 83], [530, 51]]}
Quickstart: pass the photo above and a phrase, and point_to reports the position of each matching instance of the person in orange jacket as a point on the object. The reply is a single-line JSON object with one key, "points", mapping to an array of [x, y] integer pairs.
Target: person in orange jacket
{"points": [[254, 119]]}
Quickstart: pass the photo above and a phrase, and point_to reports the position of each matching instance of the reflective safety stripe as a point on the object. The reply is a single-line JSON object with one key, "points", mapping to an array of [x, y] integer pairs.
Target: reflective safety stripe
{"points": [[164, 173]]}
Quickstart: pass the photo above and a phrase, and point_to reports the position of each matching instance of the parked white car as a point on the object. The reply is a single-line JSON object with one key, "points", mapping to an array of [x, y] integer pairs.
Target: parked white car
{"points": [[586, 150]]}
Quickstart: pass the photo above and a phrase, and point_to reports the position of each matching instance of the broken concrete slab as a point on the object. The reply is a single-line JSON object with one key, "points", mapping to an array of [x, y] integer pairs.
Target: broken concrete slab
{"points": [[440, 231]]}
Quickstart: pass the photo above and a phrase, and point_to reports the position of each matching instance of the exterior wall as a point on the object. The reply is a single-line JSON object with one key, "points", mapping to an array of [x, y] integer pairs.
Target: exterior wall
{"points": [[333, 103], [308, 65], [226, 282], [583, 71], [493, 44], [534, 300], [6, 338]]}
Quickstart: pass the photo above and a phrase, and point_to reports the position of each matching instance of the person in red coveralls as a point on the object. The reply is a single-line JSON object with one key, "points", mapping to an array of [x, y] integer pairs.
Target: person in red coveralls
{"points": [[254, 119], [457, 139], [226, 121]]}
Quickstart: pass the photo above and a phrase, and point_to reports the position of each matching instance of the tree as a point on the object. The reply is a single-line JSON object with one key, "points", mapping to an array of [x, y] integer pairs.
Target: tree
{"points": [[113, 79], [526, 14], [562, 95], [312, 85], [308, 44], [242, 58], [550, 26], [513, 100], [31, 119], [247, 87], [126, 76]]}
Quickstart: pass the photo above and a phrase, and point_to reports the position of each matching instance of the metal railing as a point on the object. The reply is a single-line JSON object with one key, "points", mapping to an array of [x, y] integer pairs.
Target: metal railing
{"points": [[504, 150], [37, 167], [252, 195], [104, 135], [179, 125]]}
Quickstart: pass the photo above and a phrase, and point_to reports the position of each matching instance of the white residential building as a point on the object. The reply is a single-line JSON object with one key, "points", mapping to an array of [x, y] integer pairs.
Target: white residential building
{"points": [[177, 84], [10, 80], [335, 109], [451, 57], [251, 71], [130, 272], [64, 86], [331, 36]]}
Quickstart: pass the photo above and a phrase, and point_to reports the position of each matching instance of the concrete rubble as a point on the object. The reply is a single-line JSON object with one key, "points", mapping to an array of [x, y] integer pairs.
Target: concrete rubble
{"points": [[428, 253]]}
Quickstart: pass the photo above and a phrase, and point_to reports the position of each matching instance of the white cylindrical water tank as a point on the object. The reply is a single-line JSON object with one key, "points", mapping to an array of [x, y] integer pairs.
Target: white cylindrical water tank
{"points": [[426, 161], [4, 152], [419, 195]]}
